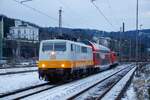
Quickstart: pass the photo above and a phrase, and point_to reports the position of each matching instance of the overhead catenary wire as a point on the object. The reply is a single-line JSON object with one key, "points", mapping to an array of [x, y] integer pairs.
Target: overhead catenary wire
{"points": [[99, 10], [25, 1], [36, 10], [55, 19]]}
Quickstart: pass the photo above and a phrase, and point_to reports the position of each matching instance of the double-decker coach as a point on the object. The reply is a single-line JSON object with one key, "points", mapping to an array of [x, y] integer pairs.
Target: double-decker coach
{"points": [[103, 57]]}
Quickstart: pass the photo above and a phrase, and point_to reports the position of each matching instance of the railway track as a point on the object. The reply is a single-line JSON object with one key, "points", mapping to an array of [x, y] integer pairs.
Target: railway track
{"points": [[19, 66], [118, 89], [16, 70], [74, 90], [99, 90], [21, 93]]}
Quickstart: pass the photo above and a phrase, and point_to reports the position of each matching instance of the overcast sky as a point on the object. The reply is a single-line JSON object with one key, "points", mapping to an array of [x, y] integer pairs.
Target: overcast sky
{"points": [[81, 13]]}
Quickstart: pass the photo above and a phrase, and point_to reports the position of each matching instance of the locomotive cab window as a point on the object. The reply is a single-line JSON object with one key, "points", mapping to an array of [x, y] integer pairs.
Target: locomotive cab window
{"points": [[60, 46], [47, 47], [54, 47]]}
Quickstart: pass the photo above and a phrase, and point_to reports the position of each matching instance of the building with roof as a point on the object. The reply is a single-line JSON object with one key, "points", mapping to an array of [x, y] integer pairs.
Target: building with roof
{"points": [[23, 31]]}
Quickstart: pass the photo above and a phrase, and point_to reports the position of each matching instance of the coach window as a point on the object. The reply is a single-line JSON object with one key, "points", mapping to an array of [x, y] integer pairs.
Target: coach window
{"points": [[84, 50], [79, 49], [97, 56], [71, 47], [76, 48], [88, 50]]}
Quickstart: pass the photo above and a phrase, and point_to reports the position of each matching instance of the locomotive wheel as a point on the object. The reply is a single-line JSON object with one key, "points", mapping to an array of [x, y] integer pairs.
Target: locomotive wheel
{"points": [[89, 71], [66, 75]]}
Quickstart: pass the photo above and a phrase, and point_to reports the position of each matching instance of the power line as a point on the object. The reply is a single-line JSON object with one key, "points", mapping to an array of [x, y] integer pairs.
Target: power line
{"points": [[99, 10], [25, 1], [36, 10]]}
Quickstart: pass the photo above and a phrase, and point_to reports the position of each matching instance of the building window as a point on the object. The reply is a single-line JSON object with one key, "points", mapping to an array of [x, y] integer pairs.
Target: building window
{"points": [[19, 33], [33, 35], [13, 31], [24, 31]]}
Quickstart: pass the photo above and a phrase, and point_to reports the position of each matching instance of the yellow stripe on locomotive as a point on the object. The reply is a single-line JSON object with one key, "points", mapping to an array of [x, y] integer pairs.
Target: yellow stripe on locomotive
{"points": [[64, 64]]}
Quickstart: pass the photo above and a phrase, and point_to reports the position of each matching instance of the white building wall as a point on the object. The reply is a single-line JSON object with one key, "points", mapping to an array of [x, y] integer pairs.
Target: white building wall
{"points": [[26, 32]]}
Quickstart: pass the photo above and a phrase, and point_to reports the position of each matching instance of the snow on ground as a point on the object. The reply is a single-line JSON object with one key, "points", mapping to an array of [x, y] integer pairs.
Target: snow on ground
{"points": [[10, 70], [140, 85], [141, 82], [9, 83], [112, 95], [70, 89], [130, 94]]}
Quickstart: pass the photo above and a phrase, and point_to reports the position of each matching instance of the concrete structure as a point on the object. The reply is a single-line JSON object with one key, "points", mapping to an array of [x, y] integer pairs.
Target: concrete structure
{"points": [[18, 40]]}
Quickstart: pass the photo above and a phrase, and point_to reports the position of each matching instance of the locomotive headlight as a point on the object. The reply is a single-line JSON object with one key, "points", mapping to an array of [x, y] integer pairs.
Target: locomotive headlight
{"points": [[43, 65], [52, 53], [62, 65]]}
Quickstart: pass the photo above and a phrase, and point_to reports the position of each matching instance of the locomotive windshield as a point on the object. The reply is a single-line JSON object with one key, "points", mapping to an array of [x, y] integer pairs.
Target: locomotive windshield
{"points": [[60, 46], [47, 47], [54, 46]]}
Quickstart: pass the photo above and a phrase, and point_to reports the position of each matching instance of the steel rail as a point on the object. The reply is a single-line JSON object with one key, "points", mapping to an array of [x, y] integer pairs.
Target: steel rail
{"points": [[21, 93], [112, 85], [80, 93], [8, 73]]}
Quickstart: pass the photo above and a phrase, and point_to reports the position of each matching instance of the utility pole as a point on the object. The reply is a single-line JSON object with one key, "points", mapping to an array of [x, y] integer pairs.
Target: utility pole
{"points": [[140, 42], [60, 21], [122, 30], [1, 37], [137, 31], [120, 50], [130, 55], [123, 26]]}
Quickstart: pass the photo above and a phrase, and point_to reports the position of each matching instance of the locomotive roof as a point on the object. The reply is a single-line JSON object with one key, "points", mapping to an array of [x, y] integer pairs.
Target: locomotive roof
{"points": [[60, 40]]}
